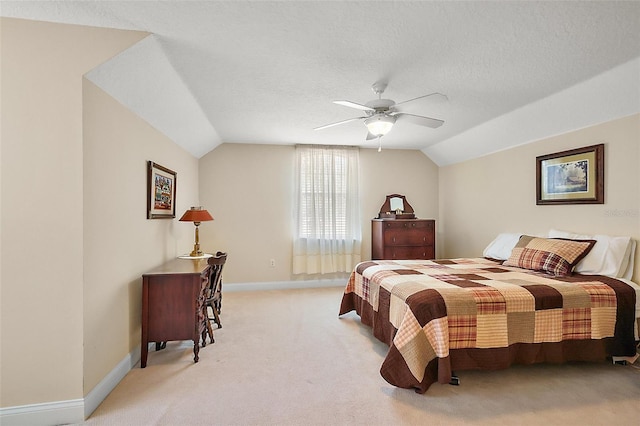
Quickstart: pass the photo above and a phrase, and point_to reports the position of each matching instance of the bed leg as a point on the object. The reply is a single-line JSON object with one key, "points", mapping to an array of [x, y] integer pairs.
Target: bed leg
{"points": [[455, 380]]}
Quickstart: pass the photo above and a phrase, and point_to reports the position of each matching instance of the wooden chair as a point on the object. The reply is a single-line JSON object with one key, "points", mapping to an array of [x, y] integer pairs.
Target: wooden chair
{"points": [[213, 293]]}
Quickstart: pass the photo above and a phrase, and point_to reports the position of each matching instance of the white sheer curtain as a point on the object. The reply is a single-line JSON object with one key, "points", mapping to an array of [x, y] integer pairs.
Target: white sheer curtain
{"points": [[327, 234]]}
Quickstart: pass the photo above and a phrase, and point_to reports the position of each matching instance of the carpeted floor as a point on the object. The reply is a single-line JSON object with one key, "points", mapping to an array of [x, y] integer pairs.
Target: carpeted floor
{"points": [[283, 357]]}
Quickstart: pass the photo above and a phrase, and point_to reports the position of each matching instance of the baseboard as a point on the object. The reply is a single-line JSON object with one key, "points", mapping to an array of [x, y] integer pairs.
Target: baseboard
{"points": [[72, 411], [284, 285], [98, 394], [48, 413]]}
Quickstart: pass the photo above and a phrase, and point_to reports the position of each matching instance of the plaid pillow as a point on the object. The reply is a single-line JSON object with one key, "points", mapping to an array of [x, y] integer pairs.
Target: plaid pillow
{"points": [[556, 256]]}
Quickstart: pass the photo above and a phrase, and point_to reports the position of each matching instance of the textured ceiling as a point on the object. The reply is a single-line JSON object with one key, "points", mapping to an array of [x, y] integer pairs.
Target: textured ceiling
{"points": [[267, 72]]}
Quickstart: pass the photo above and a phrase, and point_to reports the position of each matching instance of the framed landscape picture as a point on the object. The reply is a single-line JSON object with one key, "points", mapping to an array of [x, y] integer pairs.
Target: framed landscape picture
{"points": [[161, 192], [571, 177]]}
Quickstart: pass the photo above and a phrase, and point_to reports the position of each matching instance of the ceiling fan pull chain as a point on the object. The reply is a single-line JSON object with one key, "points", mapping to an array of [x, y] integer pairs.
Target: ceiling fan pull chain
{"points": [[379, 143]]}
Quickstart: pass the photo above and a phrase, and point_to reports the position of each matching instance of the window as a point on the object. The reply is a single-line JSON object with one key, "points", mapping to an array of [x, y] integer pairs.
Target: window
{"points": [[327, 210]]}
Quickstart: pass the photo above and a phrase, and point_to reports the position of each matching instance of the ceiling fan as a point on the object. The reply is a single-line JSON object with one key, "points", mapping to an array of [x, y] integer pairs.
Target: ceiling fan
{"points": [[382, 114]]}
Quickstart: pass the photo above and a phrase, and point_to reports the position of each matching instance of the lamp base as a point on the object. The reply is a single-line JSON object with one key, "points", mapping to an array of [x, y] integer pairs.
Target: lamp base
{"points": [[196, 247]]}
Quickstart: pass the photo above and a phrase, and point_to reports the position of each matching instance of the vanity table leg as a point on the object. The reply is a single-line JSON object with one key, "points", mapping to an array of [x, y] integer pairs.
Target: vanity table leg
{"points": [[144, 350], [196, 349]]}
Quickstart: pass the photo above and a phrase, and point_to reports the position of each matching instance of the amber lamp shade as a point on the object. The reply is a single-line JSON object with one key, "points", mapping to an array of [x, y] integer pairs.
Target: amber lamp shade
{"points": [[196, 215]]}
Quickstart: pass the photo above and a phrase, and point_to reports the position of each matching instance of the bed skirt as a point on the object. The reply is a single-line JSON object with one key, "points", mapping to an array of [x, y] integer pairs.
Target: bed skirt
{"points": [[395, 371]]}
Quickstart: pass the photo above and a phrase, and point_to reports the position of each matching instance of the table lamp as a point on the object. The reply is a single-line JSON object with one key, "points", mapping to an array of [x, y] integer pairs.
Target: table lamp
{"points": [[196, 215]]}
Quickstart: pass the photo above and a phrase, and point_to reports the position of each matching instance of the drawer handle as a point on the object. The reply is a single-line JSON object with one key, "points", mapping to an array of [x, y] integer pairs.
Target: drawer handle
{"points": [[413, 224], [394, 239]]}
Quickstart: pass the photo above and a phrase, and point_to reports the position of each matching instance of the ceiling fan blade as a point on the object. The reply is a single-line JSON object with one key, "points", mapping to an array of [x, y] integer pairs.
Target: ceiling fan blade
{"points": [[354, 105], [419, 120], [435, 94], [338, 123]]}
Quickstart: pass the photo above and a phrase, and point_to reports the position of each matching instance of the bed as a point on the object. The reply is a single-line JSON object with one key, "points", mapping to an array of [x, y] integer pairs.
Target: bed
{"points": [[444, 316]]}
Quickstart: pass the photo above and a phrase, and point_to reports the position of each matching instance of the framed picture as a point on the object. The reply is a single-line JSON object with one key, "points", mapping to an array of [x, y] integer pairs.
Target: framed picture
{"points": [[161, 192], [571, 177]]}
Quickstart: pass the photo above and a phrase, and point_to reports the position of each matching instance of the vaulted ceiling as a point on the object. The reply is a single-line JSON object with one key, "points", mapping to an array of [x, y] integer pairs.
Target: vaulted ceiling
{"points": [[267, 72]]}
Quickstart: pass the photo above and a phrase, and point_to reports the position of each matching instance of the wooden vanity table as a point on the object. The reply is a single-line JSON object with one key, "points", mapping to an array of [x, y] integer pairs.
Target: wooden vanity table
{"points": [[397, 234], [172, 304]]}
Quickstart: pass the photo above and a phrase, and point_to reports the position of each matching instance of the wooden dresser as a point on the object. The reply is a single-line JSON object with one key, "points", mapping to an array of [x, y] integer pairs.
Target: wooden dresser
{"points": [[172, 304], [393, 239]]}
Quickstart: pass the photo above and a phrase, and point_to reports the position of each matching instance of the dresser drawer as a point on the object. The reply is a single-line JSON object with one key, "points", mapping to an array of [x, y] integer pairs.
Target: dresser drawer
{"points": [[409, 224], [397, 237], [408, 252]]}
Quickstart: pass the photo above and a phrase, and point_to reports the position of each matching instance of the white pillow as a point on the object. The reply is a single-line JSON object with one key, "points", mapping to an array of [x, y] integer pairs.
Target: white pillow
{"points": [[610, 256], [500, 248], [632, 255]]}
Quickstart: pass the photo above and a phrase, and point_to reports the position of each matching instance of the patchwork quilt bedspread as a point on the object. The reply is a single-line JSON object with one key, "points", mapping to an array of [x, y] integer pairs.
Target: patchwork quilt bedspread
{"points": [[443, 315]]}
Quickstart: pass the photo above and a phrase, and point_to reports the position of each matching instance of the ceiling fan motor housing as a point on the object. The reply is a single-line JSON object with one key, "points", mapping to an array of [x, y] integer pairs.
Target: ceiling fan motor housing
{"points": [[380, 105]]}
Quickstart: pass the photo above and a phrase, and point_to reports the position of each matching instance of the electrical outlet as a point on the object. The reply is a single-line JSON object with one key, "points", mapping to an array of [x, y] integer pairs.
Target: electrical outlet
{"points": [[272, 263]]}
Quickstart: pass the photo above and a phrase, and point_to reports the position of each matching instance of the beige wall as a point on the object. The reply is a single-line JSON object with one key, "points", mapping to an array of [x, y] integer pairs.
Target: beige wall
{"points": [[42, 207], [73, 213], [249, 189], [483, 197], [120, 244]]}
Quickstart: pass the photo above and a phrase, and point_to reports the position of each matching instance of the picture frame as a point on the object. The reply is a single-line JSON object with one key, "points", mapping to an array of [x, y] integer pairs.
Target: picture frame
{"points": [[161, 192], [575, 176]]}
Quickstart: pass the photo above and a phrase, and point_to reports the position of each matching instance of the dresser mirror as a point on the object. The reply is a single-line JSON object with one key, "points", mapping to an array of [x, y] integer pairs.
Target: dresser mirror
{"points": [[396, 206]]}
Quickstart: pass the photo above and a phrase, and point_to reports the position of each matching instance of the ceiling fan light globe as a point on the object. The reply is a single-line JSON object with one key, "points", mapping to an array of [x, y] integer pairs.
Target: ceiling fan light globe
{"points": [[379, 125]]}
